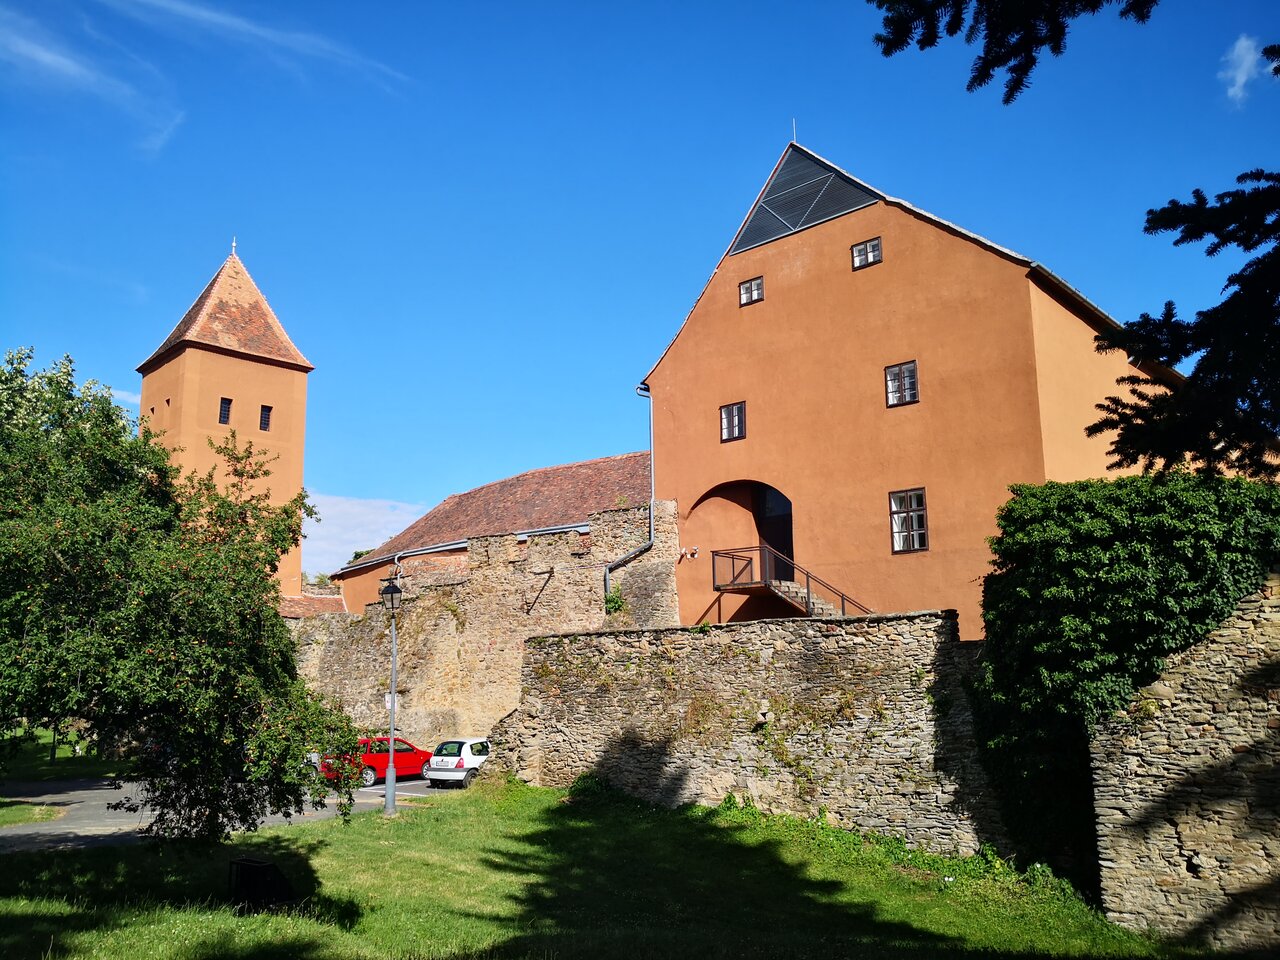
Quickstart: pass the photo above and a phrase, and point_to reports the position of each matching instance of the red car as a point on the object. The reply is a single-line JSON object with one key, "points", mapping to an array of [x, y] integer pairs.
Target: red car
{"points": [[372, 760]]}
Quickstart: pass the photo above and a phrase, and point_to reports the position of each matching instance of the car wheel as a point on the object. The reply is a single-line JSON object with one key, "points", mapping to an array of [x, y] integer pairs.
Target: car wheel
{"points": [[368, 777], [468, 779]]}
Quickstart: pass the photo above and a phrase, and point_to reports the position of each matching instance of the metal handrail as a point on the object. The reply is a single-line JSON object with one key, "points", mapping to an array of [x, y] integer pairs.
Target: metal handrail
{"points": [[746, 556]]}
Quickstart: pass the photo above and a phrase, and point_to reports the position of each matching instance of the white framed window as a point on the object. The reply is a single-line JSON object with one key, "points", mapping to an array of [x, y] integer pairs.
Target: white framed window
{"points": [[866, 253], [909, 521], [733, 421], [750, 291], [901, 384]]}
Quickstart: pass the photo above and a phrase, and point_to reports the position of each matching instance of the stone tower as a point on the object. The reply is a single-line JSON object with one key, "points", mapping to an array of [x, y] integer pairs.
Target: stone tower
{"points": [[229, 365]]}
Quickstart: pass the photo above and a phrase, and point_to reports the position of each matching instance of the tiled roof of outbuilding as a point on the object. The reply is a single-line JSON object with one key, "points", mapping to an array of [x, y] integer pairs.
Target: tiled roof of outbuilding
{"points": [[539, 499], [232, 314]]}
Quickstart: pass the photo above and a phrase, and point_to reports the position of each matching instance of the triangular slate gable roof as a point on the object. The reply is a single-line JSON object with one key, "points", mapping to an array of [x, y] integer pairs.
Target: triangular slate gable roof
{"points": [[231, 316], [804, 190], [796, 161]]}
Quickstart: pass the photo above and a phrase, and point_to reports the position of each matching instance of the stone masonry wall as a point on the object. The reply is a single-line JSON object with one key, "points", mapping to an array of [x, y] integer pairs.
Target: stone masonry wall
{"points": [[1187, 789], [466, 616], [863, 717]]}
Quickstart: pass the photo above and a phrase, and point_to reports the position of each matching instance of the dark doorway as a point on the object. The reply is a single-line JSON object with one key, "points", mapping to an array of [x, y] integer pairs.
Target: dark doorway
{"points": [[772, 511]]}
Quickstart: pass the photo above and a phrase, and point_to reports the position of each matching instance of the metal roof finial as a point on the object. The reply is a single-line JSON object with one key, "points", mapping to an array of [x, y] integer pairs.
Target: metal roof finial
{"points": [[793, 130], [233, 244]]}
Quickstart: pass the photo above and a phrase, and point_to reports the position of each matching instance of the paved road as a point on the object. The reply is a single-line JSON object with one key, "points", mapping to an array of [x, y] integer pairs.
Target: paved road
{"points": [[85, 821]]}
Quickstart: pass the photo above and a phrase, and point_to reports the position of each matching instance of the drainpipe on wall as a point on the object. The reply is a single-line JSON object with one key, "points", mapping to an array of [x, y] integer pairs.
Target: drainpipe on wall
{"points": [[641, 391]]}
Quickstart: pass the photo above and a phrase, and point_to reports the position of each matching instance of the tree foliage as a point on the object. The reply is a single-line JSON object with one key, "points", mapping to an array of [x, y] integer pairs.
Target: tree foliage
{"points": [[1094, 584], [144, 606], [1014, 33], [1226, 415]]}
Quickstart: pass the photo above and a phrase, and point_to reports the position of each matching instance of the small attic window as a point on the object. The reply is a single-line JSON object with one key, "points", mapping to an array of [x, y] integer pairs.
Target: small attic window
{"points": [[867, 253], [750, 291], [224, 410], [264, 418]]}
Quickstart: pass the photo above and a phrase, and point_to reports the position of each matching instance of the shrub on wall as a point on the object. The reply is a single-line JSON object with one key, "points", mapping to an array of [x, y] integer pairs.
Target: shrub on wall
{"points": [[1094, 584]]}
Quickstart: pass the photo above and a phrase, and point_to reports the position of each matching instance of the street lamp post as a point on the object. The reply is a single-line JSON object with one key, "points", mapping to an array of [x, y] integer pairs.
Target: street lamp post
{"points": [[391, 595]]}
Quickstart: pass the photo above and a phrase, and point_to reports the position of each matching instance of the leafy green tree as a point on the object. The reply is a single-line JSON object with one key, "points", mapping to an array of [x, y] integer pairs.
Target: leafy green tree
{"points": [[1094, 583], [1014, 33], [1225, 416], [145, 606]]}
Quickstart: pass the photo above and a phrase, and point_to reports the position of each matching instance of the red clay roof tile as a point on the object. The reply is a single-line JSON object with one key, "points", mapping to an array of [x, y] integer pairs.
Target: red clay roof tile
{"points": [[232, 314], [549, 497]]}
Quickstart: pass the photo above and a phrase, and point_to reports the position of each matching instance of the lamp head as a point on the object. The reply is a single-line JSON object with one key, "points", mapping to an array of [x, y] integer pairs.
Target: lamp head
{"points": [[391, 595]]}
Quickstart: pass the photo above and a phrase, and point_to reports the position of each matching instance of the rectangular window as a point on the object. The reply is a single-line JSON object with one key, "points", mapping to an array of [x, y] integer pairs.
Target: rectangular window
{"points": [[733, 421], [866, 253], [224, 410], [909, 521], [750, 291], [264, 418], [901, 385]]}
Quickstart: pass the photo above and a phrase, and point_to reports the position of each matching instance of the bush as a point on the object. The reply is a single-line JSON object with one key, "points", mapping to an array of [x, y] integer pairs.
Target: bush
{"points": [[1094, 584]]}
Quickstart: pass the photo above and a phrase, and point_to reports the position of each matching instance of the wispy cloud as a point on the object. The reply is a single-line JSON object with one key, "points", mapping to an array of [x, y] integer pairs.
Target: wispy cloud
{"points": [[1243, 64], [121, 287], [40, 58], [348, 524], [127, 397], [208, 20]]}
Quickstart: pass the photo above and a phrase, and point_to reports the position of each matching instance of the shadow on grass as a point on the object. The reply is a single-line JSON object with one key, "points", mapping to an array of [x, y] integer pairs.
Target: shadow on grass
{"points": [[608, 875], [103, 889]]}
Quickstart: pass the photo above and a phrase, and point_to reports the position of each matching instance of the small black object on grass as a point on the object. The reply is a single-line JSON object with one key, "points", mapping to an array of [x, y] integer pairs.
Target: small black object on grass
{"points": [[258, 884]]}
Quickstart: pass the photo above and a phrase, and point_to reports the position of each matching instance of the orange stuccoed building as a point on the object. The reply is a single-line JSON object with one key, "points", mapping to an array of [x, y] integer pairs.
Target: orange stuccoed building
{"points": [[845, 407], [229, 365]]}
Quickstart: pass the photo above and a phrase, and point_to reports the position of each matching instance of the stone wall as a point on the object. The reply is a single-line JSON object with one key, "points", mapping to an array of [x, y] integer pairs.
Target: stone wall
{"points": [[467, 614], [864, 718], [1187, 789]]}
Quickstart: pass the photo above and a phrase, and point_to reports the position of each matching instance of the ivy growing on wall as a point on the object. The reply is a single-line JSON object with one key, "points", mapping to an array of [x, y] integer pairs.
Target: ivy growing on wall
{"points": [[1094, 584]]}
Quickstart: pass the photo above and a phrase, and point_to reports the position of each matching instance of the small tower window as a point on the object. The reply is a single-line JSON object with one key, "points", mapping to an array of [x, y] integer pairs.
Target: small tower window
{"points": [[264, 418], [224, 410]]}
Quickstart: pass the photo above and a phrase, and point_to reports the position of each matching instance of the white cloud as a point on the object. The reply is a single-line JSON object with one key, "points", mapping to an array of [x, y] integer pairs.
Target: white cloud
{"points": [[206, 20], [348, 524], [127, 397], [1243, 65], [41, 59]]}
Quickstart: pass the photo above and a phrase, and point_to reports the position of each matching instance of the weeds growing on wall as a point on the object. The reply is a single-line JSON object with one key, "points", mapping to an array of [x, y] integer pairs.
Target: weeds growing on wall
{"points": [[1094, 584], [614, 602]]}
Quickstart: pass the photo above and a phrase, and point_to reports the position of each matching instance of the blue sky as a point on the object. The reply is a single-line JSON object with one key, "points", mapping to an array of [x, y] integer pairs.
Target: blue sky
{"points": [[484, 222]]}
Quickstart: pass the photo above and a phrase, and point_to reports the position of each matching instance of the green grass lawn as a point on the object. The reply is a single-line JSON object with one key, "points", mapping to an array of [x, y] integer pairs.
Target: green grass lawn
{"points": [[504, 870], [27, 758], [15, 812]]}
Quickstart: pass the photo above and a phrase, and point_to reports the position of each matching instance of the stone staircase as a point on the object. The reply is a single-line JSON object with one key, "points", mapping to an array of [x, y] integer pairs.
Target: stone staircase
{"points": [[794, 594]]}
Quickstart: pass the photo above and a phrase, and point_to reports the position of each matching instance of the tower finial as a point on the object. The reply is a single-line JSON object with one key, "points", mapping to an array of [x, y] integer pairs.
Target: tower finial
{"points": [[233, 244], [793, 132]]}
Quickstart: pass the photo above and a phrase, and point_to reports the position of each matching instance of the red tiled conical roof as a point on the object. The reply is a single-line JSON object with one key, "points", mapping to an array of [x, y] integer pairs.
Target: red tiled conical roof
{"points": [[537, 500], [231, 315]]}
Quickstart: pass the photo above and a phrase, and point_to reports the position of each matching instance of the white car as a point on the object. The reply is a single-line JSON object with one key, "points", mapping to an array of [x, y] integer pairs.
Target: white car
{"points": [[456, 761]]}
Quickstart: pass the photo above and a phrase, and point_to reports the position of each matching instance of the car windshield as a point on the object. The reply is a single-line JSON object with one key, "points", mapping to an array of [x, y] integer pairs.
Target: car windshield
{"points": [[450, 748]]}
